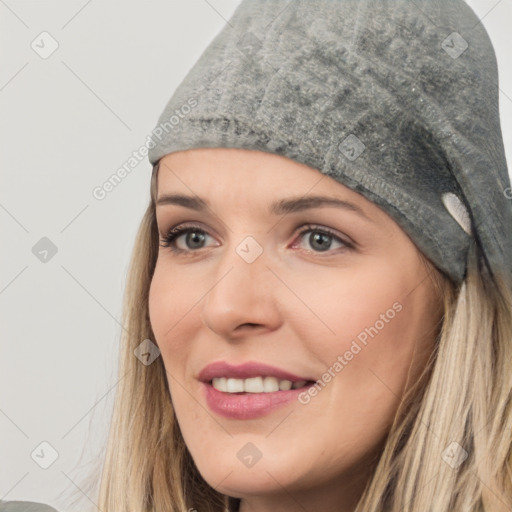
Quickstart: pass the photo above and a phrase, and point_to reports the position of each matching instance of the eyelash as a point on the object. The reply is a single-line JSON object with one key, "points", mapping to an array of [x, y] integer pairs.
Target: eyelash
{"points": [[173, 234]]}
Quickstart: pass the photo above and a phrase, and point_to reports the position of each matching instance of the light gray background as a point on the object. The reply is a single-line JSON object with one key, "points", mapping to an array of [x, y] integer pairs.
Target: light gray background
{"points": [[68, 122]]}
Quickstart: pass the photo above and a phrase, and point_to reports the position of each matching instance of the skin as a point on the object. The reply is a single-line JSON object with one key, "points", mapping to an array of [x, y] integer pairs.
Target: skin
{"points": [[297, 307]]}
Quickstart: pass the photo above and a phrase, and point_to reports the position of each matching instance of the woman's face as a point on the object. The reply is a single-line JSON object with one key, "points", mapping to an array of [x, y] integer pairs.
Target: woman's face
{"points": [[335, 294]]}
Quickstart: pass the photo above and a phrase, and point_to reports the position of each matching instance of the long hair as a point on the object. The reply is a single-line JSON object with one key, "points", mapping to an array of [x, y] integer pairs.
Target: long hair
{"points": [[448, 449]]}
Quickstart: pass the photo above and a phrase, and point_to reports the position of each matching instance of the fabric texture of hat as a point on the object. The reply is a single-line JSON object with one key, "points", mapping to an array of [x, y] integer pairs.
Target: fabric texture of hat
{"points": [[396, 99]]}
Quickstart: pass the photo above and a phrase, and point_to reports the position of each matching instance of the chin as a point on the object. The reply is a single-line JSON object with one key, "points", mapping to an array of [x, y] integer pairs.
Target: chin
{"points": [[233, 478]]}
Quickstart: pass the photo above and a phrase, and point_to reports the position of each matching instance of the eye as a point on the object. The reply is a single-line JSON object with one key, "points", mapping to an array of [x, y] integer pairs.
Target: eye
{"points": [[195, 236], [320, 239]]}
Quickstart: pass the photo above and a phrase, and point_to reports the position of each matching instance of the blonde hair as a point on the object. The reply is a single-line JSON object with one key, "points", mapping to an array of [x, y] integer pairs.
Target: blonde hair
{"points": [[448, 449]]}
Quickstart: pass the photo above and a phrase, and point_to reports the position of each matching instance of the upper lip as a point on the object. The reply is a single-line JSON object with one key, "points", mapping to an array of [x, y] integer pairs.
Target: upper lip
{"points": [[246, 371]]}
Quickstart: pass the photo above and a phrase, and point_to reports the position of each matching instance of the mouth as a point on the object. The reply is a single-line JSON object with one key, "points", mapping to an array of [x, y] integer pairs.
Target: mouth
{"points": [[259, 384], [250, 390], [252, 402], [251, 377]]}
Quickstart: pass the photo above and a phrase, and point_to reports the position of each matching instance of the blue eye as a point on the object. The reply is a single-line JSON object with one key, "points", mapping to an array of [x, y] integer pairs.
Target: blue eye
{"points": [[321, 238]]}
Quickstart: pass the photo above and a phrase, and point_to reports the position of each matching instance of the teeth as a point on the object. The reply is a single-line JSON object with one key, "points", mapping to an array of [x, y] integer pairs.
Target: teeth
{"points": [[255, 385]]}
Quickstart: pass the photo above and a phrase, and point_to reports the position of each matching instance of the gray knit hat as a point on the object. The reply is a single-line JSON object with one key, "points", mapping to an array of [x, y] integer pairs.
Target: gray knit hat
{"points": [[396, 99]]}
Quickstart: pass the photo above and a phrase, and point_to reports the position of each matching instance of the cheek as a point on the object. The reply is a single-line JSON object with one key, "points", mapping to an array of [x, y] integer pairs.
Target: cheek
{"points": [[378, 323], [169, 305], [359, 304], [160, 304]]}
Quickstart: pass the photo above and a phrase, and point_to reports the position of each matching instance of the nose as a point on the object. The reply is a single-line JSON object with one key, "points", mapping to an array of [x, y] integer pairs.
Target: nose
{"points": [[242, 296]]}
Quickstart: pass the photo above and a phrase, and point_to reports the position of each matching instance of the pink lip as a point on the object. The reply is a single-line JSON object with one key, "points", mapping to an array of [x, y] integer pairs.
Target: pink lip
{"points": [[245, 371], [245, 406]]}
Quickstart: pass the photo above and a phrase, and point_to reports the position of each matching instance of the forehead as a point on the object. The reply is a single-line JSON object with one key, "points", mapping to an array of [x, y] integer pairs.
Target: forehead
{"points": [[217, 177], [220, 170], [226, 162]]}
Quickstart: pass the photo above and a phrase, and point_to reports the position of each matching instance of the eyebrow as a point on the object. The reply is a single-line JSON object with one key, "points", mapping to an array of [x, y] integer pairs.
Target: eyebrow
{"points": [[283, 206]]}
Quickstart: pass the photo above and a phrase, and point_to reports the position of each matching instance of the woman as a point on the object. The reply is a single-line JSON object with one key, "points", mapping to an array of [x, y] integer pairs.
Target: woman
{"points": [[319, 302]]}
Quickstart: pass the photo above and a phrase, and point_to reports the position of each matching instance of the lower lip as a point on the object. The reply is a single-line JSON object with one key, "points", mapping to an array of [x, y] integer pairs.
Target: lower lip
{"points": [[248, 405]]}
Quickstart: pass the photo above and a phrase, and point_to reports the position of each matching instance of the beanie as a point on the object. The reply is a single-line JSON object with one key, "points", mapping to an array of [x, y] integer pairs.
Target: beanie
{"points": [[396, 99]]}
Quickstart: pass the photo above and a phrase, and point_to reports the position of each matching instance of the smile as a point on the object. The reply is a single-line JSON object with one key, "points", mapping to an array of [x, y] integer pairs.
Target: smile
{"points": [[255, 385]]}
